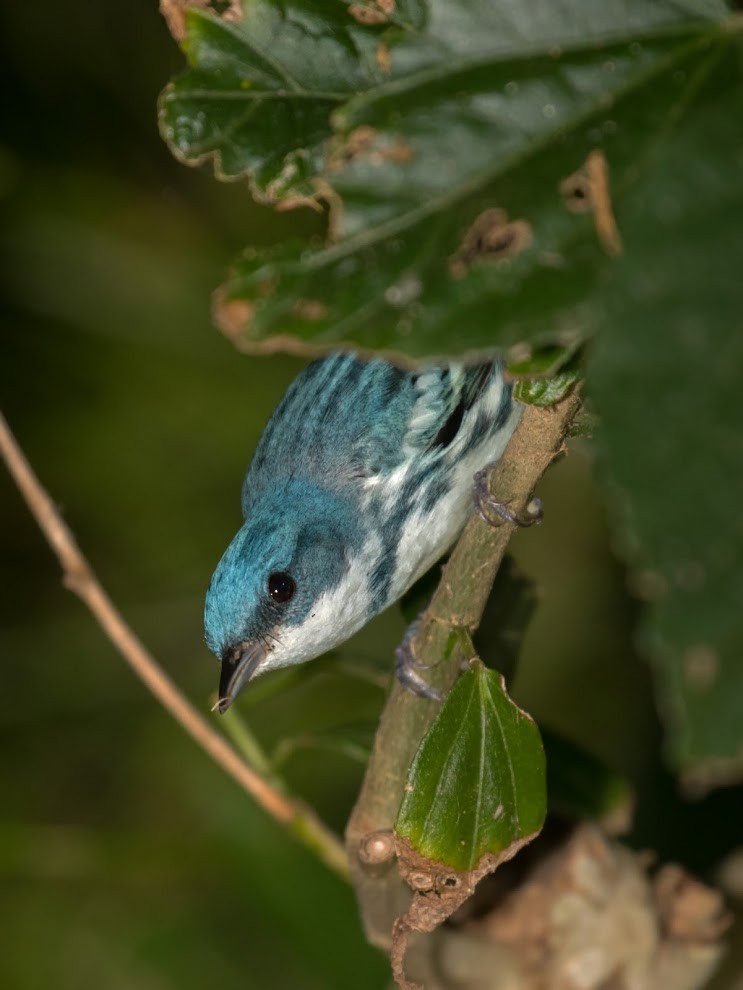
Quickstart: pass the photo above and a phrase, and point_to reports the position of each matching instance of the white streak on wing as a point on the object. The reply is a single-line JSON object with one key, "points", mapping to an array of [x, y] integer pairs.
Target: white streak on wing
{"points": [[334, 617], [428, 535], [427, 411]]}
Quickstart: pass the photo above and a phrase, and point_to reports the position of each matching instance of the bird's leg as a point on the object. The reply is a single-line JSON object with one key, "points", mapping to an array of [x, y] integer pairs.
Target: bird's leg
{"points": [[406, 663], [494, 512]]}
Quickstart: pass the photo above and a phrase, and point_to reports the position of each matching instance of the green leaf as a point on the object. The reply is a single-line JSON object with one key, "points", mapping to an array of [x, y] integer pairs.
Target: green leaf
{"points": [[666, 379], [259, 94], [547, 375], [477, 783], [549, 391], [448, 230]]}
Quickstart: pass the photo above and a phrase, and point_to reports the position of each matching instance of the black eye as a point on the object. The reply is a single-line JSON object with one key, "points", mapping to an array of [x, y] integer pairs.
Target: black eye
{"points": [[281, 587]]}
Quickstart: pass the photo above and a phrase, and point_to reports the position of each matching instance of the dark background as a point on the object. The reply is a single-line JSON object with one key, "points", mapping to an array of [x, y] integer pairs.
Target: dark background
{"points": [[126, 858]]}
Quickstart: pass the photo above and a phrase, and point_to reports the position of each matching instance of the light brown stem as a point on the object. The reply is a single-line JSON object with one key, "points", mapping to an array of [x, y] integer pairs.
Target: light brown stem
{"points": [[79, 577], [457, 604]]}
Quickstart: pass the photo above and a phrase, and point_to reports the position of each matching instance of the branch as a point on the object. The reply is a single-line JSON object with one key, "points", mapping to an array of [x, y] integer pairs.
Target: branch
{"points": [[457, 604], [79, 577]]}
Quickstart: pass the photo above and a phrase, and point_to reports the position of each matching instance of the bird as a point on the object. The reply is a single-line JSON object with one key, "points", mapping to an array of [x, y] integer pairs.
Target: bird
{"points": [[361, 481]]}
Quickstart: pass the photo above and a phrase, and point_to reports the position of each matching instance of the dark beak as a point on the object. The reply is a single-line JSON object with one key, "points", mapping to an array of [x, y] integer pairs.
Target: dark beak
{"points": [[239, 663]]}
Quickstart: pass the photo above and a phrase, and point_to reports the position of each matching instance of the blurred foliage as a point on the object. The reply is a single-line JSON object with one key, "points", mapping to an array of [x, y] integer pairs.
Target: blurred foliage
{"points": [[669, 352], [126, 857]]}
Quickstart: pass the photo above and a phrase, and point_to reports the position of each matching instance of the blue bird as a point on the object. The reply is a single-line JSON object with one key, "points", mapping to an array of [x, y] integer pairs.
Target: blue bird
{"points": [[361, 481]]}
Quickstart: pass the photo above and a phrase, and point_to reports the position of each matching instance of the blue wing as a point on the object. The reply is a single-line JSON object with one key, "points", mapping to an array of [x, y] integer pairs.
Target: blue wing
{"points": [[344, 418]]}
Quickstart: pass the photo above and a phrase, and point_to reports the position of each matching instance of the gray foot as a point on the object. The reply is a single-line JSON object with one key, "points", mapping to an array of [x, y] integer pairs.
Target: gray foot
{"points": [[407, 666], [493, 512]]}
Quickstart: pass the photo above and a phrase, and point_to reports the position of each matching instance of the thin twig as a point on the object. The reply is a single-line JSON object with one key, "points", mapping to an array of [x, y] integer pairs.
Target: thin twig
{"points": [[79, 577]]}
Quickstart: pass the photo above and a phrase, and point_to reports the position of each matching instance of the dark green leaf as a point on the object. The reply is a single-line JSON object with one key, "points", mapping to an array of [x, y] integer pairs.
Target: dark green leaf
{"points": [[448, 232], [547, 391], [477, 783], [666, 381], [260, 91], [547, 375]]}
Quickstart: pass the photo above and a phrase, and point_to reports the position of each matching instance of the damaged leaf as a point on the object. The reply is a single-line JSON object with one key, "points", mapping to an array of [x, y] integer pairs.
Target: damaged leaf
{"points": [[492, 237], [259, 93], [476, 794], [477, 783], [476, 112]]}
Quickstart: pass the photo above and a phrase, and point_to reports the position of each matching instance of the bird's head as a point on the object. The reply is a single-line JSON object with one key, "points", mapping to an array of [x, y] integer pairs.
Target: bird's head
{"points": [[285, 589]]}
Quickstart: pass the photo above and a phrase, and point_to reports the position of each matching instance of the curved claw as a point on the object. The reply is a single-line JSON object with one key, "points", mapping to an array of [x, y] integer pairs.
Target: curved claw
{"points": [[493, 512], [406, 664]]}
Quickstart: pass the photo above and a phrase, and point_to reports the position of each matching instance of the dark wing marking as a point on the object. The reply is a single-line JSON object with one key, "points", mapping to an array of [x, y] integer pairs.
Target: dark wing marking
{"points": [[344, 419], [445, 395]]}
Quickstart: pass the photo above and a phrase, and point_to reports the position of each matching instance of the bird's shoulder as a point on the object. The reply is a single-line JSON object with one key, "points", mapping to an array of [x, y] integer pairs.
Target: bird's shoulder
{"points": [[344, 418]]}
